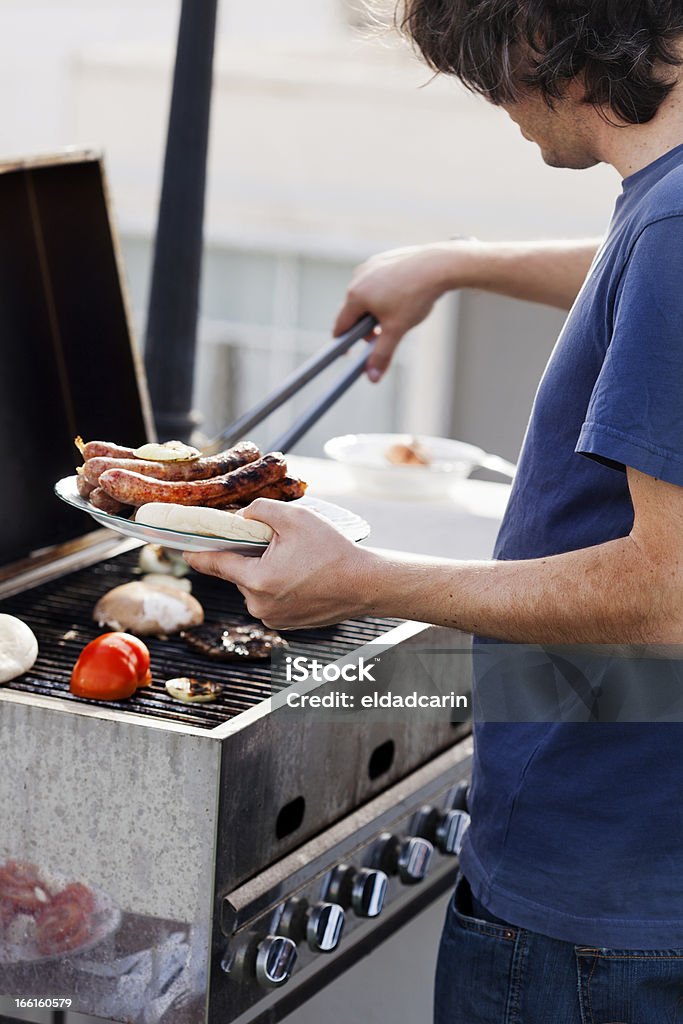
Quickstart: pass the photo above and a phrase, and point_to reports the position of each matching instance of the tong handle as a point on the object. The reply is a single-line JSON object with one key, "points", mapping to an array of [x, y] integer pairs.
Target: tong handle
{"points": [[310, 369], [304, 423]]}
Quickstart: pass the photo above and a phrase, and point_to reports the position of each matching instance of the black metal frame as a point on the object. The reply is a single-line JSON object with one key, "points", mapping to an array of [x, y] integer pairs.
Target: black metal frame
{"points": [[174, 296]]}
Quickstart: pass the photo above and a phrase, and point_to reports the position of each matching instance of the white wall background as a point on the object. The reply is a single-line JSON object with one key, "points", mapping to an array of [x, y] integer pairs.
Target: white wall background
{"points": [[326, 146]]}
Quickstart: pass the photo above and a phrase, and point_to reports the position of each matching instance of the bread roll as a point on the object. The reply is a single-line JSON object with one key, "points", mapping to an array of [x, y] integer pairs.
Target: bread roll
{"points": [[209, 522], [18, 648]]}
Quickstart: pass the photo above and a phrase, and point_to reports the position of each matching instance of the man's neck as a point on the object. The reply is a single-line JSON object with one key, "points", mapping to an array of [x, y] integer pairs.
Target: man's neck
{"points": [[629, 149]]}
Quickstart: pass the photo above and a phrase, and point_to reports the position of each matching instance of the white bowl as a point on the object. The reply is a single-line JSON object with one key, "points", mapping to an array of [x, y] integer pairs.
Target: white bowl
{"points": [[364, 456]]}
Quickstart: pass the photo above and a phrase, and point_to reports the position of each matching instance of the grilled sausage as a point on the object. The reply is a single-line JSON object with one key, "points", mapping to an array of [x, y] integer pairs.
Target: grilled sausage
{"points": [[105, 503], [196, 469], [287, 489], [136, 489], [103, 450], [83, 485]]}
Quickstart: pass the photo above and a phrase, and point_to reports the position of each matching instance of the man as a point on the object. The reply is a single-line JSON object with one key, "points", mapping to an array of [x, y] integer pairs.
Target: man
{"points": [[570, 905]]}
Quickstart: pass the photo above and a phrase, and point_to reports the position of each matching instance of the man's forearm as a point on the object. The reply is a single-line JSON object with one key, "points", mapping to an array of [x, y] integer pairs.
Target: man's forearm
{"points": [[628, 590], [547, 272], [611, 593], [400, 287]]}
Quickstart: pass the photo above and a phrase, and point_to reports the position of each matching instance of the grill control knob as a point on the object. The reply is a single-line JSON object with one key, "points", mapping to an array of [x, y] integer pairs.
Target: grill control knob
{"points": [[457, 798], [444, 830], [324, 927], [363, 889], [409, 858], [451, 830], [368, 892], [384, 853], [414, 859], [320, 925], [275, 959]]}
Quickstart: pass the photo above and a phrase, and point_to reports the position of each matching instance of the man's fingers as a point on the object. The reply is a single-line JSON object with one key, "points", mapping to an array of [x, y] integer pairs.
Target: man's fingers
{"points": [[274, 513], [227, 565], [348, 315], [381, 355]]}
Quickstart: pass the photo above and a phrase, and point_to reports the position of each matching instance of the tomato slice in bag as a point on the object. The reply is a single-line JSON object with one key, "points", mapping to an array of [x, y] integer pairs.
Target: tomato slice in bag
{"points": [[62, 926], [78, 894], [21, 887]]}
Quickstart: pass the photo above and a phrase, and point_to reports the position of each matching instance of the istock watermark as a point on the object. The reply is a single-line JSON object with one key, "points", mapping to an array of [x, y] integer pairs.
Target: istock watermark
{"points": [[390, 684], [489, 682], [301, 669]]}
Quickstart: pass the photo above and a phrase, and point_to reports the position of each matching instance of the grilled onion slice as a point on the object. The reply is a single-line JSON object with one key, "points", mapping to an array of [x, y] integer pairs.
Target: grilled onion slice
{"points": [[169, 451], [193, 691]]}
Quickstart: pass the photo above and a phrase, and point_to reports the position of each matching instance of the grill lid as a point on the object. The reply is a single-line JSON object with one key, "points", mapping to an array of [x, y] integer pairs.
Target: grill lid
{"points": [[68, 362]]}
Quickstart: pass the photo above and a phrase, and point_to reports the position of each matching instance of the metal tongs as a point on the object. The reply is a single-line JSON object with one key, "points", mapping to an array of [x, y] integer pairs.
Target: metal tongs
{"points": [[310, 369]]}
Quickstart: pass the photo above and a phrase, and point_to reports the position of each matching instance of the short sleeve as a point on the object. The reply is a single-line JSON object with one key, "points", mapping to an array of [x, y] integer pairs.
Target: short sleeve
{"points": [[635, 414]]}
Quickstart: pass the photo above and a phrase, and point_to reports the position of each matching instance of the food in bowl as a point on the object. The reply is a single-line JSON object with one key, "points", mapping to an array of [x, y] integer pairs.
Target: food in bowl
{"points": [[411, 453]]}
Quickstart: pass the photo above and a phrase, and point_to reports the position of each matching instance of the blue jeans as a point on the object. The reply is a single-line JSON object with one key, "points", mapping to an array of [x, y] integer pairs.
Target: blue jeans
{"points": [[491, 972]]}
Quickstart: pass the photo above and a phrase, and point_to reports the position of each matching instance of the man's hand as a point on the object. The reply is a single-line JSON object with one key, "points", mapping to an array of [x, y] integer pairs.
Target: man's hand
{"points": [[399, 288], [310, 575]]}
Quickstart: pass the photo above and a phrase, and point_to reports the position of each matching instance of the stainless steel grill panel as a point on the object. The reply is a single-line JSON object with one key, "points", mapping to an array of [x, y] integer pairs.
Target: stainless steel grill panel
{"points": [[60, 613]]}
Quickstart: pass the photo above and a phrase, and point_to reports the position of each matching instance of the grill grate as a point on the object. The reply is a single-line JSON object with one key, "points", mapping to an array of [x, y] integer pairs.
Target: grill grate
{"points": [[59, 613]]}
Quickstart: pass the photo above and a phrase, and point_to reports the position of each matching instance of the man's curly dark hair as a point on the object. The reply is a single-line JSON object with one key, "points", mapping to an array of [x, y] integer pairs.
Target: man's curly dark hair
{"points": [[623, 51]]}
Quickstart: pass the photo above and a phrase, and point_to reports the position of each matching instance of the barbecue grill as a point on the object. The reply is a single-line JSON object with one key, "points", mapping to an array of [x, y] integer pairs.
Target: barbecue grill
{"points": [[241, 857]]}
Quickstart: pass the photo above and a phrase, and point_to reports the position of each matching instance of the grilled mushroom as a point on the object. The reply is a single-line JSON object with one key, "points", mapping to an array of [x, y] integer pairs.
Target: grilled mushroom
{"points": [[234, 643], [148, 609]]}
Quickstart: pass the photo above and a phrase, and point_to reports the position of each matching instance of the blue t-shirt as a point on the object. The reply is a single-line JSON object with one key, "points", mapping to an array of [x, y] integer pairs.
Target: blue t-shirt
{"points": [[577, 829]]}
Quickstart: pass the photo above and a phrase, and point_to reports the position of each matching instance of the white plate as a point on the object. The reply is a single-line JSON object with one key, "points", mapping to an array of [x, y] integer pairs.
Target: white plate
{"points": [[348, 523], [364, 456]]}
